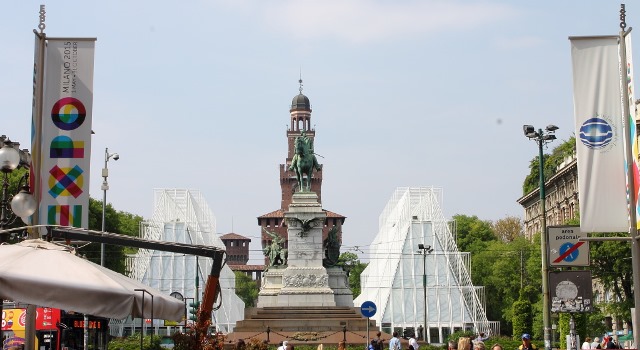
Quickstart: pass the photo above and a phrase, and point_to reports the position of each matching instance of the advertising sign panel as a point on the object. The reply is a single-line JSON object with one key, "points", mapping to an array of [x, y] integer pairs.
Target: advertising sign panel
{"points": [[14, 319], [570, 291]]}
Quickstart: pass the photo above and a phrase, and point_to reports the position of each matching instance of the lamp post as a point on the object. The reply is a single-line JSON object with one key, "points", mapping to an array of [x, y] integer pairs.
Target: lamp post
{"points": [[144, 291], [105, 187], [543, 137], [424, 250], [22, 204]]}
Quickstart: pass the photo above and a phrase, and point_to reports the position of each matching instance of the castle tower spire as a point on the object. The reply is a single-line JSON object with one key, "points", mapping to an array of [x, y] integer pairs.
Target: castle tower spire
{"points": [[300, 114]]}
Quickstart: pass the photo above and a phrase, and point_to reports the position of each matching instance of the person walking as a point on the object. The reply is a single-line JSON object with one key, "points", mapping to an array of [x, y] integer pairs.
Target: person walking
{"points": [[283, 346], [587, 343], [464, 343], [608, 343], [394, 343], [526, 343], [596, 343], [413, 342], [379, 342]]}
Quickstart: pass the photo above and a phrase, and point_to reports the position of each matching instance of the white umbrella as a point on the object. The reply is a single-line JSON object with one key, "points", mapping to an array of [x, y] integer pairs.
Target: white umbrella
{"points": [[48, 274]]}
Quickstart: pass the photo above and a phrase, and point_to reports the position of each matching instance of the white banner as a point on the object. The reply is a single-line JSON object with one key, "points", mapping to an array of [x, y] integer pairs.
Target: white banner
{"points": [[598, 116], [66, 132]]}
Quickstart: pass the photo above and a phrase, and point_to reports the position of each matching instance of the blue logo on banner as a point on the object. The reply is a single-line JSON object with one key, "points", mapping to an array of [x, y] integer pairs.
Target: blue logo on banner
{"points": [[596, 133]]}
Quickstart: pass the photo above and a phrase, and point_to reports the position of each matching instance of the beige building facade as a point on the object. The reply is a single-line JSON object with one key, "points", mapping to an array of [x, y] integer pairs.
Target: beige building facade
{"points": [[561, 199]]}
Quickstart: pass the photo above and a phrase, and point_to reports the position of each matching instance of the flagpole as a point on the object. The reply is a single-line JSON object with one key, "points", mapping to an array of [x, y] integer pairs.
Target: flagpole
{"points": [[36, 161], [631, 186]]}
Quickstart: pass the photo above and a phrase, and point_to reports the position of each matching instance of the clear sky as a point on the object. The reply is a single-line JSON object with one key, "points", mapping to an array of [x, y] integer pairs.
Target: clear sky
{"points": [[195, 94]]}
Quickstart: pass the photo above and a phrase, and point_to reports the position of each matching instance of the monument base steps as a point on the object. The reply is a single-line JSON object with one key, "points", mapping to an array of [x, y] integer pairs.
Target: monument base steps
{"points": [[304, 319]]}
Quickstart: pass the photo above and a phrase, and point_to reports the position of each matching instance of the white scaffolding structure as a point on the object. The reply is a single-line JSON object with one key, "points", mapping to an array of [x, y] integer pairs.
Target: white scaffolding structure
{"points": [[393, 280], [183, 216]]}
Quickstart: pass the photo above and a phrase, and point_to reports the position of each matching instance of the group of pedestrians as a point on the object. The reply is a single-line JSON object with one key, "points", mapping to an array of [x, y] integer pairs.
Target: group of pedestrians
{"points": [[607, 343], [377, 343], [466, 343]]}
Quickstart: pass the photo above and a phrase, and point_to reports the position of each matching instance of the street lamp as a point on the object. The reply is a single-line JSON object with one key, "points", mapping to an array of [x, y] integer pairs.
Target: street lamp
{"points": [[105, 187], [22, 204], [543, 137], [424, 250]]}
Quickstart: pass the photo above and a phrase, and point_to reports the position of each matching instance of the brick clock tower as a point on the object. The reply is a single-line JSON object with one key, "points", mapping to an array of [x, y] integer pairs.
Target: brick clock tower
{"points": [[274, 221]]}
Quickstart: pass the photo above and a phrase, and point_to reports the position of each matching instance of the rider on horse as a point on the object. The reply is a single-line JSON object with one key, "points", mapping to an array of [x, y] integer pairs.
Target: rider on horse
{"points": [[304, 159]]}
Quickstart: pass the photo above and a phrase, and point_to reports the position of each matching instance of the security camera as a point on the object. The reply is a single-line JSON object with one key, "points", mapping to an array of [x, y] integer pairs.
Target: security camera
{"points": [[116, 156]]}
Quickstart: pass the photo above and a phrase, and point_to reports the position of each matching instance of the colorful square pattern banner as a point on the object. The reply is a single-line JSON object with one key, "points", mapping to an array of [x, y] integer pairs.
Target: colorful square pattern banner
{"points": [[632, 128], [66, 132]]}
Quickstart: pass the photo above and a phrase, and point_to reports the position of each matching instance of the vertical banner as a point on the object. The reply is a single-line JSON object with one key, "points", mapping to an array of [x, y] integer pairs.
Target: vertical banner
{"points": [[66, 132], [632, 126], [599, 132]]}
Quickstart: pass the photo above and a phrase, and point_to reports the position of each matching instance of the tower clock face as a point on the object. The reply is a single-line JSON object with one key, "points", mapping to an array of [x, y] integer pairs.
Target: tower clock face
{"points": [[566, 290]]}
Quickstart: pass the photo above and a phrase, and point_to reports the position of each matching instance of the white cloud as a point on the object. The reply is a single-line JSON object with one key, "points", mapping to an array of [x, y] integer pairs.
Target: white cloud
{"points": [[361, 21]]}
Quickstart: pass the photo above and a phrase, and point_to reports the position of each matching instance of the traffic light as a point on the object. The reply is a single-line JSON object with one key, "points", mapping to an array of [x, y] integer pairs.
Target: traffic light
{"points": [[194, 310]]}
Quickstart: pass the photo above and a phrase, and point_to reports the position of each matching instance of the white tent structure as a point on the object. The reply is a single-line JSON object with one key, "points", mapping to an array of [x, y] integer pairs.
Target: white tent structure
{"points": [[183, 216], [393, 280]]}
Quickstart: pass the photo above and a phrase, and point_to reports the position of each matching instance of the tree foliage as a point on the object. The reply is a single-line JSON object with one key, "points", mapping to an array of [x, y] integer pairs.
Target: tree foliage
{"points": [[120, 222], [472, 233], [15, 179], [350, 262], [503, 269], [508, 229], [522, 317], [132, 342], [246, 289], [551, 163], [507, 265], [611, 265]]}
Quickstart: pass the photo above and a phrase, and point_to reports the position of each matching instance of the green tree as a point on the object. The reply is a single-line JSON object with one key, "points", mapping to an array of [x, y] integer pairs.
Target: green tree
{"points": [[522, 316], [247, 289], [551, 163], [502, 269], [119, 222], [472, 231], [611, 265], [508, 229], [16, 179], [352, 265]]}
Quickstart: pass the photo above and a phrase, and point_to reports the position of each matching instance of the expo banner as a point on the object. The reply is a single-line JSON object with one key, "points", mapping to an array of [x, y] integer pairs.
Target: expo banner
{"points": [[599, 132], [66, 132], [632, 128]]}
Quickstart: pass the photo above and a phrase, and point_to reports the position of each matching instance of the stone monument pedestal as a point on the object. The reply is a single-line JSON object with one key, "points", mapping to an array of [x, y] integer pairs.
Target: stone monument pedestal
{"points": [[303, 295], [304, 281]]}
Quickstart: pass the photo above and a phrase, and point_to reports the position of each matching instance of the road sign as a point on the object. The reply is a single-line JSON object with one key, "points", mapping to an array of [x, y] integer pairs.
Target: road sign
{"points": [[570, 291], [565, 249], [368, 309]]}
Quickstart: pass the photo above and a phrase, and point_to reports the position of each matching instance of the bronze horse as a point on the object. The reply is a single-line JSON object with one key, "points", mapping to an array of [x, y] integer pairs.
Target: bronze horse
{"points": [[303, 162]]}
